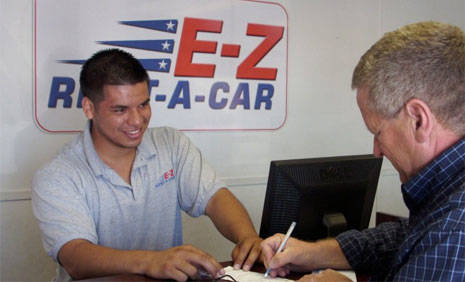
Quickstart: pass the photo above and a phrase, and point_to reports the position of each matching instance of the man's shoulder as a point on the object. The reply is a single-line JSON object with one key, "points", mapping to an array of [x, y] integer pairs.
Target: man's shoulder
{"points": [[456, 205], [161, 130], [455, 202], [68, 161], [163, 135], [450, 217]]}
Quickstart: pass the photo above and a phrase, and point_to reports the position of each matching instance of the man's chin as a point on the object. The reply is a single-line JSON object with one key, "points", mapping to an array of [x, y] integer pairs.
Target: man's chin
{"points": [[129, 143], [133, 144]]}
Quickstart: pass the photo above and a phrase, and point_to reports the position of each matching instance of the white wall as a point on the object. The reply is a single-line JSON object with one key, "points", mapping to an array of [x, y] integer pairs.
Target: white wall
{"points": [[326, 39]]}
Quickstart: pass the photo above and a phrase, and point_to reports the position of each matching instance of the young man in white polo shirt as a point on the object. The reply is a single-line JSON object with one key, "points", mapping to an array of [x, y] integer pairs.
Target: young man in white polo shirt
{"points": [[111, 201]]}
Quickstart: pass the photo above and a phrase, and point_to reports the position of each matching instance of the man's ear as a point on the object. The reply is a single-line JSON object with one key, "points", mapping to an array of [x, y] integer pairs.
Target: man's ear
{"points": [[88, 107], [421, 119]]}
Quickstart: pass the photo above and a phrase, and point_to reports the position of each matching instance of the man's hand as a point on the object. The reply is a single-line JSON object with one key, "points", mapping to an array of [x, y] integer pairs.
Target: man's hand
{"points": [[246, 252], [181, 263], [293, 257], [82, 259], [233, 221], [302, 256], [327, 275]]}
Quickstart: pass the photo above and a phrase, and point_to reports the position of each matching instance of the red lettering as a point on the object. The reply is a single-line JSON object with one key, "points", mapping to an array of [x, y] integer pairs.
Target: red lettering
{"points": [[248, 69], [189, 45]]}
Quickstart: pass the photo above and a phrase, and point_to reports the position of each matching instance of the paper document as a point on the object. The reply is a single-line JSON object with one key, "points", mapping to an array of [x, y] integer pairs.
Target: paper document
{"points": [[250, 276], [349, 273]]}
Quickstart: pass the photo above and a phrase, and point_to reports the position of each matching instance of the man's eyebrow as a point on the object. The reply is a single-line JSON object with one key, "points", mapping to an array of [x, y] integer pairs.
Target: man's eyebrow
{"points": [[119, 106], [146, 101]]}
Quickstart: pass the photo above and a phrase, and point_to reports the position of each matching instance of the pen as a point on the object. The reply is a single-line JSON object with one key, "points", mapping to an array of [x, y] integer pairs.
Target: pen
{"points": [[283, 243]]}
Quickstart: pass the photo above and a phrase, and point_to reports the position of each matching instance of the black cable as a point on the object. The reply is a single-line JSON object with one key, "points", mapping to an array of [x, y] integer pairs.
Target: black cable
{"points": [[227, 276]]}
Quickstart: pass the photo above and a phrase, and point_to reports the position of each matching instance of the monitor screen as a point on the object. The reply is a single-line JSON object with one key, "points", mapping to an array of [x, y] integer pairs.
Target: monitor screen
{"points": [[325, 196]]}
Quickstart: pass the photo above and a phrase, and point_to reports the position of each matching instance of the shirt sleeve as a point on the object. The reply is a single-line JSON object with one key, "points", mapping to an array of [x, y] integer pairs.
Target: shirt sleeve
{"points": [[372, 250], [440, 256], [60, 209], [196, 179]]}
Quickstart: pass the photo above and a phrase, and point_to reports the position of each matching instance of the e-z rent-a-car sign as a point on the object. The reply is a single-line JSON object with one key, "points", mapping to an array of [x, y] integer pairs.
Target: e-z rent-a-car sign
{"points": [[213, 64]]}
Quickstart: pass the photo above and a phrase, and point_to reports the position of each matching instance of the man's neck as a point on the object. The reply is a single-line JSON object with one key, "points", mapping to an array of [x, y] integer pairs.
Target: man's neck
{"points": [[116, 157], [445, 139], [440, 141]]}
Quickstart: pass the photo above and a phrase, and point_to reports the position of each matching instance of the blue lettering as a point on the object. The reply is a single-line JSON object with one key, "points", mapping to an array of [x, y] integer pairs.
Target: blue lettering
{"points": [[243, 88], [67, 84], [261, 98], [79, 103], [177, 98], [62, 88], [153, 83], [214, 91]]}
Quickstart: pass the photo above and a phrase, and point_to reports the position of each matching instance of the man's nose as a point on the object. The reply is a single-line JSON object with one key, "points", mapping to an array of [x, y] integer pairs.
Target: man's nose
{"points": [[135, 117]]}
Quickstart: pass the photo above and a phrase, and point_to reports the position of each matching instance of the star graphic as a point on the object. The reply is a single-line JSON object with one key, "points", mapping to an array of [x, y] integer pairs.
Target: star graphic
{"points": [[170, 26], [162, 64], [166, 45]]}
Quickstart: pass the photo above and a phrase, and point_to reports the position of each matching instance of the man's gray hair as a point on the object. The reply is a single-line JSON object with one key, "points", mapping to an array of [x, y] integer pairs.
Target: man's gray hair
{"points": [[424, 60]]}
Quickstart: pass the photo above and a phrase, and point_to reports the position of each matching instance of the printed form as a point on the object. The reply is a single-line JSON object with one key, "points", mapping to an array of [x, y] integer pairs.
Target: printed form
{"points": [[251, 276]]}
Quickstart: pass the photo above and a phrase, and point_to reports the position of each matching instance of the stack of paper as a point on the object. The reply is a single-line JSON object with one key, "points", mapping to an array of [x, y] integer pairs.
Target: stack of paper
{"points": [[250, 276]]}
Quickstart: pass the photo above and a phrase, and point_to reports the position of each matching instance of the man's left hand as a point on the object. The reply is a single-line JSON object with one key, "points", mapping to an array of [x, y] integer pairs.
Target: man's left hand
{"points": [[327, 275], [246, 252]]}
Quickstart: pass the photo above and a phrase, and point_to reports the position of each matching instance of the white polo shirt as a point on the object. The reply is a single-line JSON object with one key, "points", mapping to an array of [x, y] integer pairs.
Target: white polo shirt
{"points": [[77, 196]]}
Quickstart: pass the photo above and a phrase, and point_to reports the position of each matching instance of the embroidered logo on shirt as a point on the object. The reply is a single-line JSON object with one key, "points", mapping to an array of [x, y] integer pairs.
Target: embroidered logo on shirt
{"points": [[165, 178]]}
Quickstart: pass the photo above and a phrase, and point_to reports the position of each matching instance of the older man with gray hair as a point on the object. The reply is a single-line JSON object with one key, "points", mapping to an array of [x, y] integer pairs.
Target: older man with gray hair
{"points": [[411, 93]]}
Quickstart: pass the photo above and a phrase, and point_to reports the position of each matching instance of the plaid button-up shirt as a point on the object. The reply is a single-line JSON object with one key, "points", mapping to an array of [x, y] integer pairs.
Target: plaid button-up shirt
{"points": [[430, 245]]}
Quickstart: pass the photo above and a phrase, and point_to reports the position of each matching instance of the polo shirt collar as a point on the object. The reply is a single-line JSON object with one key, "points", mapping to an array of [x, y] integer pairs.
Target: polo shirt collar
{"points": [[145, 151], [97, 165], [432, 178]]}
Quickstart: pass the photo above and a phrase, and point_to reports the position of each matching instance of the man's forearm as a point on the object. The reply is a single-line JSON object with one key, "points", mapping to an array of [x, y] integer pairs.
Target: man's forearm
{"points": [[326, 254], [230, 216], [82, 259]]}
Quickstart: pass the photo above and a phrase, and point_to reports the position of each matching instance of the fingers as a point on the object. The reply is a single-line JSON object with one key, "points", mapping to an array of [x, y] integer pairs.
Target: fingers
{"points": [[254, 254], [209, 264], [327, 275], [246, 253], [183, 262], [284, 271], [281, 259], [281, 271], [269, 247], [203, 261], [280, 263], [182, 271]]}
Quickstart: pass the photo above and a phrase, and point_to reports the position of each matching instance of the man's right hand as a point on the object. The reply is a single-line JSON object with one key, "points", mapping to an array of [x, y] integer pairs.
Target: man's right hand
{"points": [[293, 257], [302, 256], [83, 259], [181, 263]]}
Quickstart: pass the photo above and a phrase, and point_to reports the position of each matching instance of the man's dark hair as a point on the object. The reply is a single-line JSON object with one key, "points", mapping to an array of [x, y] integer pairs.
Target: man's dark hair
{"points": [[110, 67]]}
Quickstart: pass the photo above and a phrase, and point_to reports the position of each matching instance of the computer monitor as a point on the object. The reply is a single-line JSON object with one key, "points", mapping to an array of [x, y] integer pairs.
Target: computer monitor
{"points": [[325, 196]]}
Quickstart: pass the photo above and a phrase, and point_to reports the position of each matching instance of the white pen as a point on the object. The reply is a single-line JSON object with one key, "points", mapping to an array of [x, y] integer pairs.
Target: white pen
{"points": [[283, 243]]}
